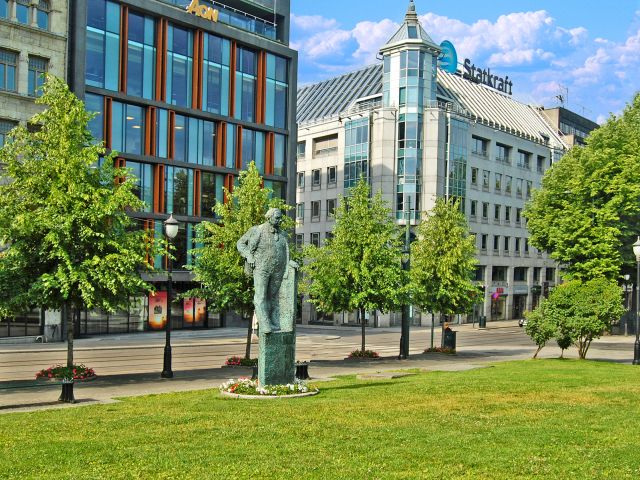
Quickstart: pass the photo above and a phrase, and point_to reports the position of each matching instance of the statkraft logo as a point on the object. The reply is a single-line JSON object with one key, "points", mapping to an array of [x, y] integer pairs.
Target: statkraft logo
{"points": [[448, 58]]}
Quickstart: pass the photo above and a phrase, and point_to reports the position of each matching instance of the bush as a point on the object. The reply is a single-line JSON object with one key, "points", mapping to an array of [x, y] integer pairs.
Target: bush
{"points": [[539, 326], [236, 361], [364, 354], [58, 372], [446, 350]]}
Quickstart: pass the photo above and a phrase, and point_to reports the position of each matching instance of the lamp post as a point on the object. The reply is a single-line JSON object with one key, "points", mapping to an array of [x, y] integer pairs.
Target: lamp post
{"points": [[171, 226], [406, 308], [627, 303], [636, 348]]}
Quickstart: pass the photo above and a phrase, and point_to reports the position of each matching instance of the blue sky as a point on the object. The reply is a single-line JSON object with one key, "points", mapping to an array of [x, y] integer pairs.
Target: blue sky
{"points": [[589, 49]]}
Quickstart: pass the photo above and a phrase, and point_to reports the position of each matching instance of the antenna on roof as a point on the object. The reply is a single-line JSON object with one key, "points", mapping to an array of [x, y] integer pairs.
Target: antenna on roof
{"points": [[563, 96]]}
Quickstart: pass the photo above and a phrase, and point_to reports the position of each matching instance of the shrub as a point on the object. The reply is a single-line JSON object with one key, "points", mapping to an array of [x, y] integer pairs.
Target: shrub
{"points": [[58, 372], [237, 361], [364, 354]]}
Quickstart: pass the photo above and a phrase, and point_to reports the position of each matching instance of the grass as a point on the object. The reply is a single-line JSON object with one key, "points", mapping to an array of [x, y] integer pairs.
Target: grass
{"points": [[532, 419]]}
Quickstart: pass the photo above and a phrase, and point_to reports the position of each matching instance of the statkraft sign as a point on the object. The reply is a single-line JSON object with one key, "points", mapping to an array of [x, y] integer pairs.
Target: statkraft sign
{"points": [[484, 76], [203, 11]]}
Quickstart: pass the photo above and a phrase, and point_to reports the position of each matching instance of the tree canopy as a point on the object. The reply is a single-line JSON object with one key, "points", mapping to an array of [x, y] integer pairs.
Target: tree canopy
{"points": [[359, 267], [586, 214]]}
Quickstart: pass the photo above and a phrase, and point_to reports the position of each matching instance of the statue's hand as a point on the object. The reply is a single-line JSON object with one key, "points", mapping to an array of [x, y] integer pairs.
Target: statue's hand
{"points": [[294, 265], [251, 261]]}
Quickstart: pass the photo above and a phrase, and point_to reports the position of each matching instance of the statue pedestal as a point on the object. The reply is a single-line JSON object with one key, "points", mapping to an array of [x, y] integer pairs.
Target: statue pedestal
{"points": [[276, 362]]}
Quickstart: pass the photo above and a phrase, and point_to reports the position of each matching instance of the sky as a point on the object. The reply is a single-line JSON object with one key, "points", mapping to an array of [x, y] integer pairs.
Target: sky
{"points": [[586, 51]]}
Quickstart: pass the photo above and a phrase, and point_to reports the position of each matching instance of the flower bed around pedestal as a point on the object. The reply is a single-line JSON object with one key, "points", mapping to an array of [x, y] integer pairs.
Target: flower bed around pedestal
{"points": [[245, 387], [58, 372]]}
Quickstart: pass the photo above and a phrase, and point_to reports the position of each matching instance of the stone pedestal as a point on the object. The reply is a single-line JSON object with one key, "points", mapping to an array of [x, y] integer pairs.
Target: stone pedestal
{"points": [[276, 362]]}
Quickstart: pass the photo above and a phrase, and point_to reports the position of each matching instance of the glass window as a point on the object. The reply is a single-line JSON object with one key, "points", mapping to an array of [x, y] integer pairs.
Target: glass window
{"points": [[127, 128], [22, 11], [300, 182], [517, 247], [5, 127], [246, 68], [503, 153], [498, 182], [483, 241], [507, 242], [315, 178], [299, 240], [280, 153], [474, 208], [95, 104], [331, 208], [301, 150], [496, 213], [162, 133], [496, 242], [508, 180], [300, 212], [179, 66], [315, 210], [37, 71], [141, 56], [541, 164], [210, 193], [479, 146], [194, 141], [215, 75], [143, 172], [332, 175], [42, 14], [4, 8], [179, 190], [8, 70], [277, 91], [518, 216], [103, 44], [499, 274], [529, 190], [485, 179], [315, 239], [550, 274], [507, 214], [519, 187], [524, 159], [231, 146], [356, 151], [474, 176], [485, 210]]}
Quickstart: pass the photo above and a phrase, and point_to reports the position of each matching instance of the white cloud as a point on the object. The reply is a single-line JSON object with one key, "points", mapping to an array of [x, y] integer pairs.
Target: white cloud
{"points": [[313, 22], [371, 36]]}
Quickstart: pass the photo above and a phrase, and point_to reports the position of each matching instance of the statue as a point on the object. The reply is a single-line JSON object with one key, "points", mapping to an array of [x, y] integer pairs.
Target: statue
{"points": [[266, 251]]}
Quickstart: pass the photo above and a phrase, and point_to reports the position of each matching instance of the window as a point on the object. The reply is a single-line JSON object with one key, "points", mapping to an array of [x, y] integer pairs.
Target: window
{"points": [[277, 91], [483, 241], [519, 187], [518, 216], [246, 74], [485, 179], [300, 212], [507, 243], [279, 155], [541, 163], [503, 153], [315, 239], [508, 180], [141, 56], [37, 71], [328, 235], [315, 178], [478, 275], [42, 14], [526, 246], [103, 44], [179, 66], [144, 182], [517, 247], [499, 274], [253, 149], [332, 176], [550, 275], [536, 274], [4, 8], [315, 210], [496, 213], [299, 240], [524, 159], [5, 127], [179, 190], [325, 146], [300, 182], [215, 74], [210, 192], [474, 176], [95, 104], [127, 128], [22, 11], [496, 242], [301, 150], [485, 210], [474, 208], [507, 214], [520, 274], [479, 146], [529, 190], [498, 182], [331, 208], [8, 70], [194, 141]]}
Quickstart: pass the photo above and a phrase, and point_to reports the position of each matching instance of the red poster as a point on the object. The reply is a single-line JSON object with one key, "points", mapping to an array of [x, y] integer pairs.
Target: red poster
{"points": [[188, 310], [201, 310], [157, 310]]}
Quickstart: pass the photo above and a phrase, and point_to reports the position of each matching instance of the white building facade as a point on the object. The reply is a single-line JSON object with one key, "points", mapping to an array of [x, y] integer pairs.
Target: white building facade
{"points": [[417, 133]]}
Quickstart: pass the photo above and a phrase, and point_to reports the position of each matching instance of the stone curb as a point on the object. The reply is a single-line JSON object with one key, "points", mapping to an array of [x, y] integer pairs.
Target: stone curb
{"points": [[267, 397]]}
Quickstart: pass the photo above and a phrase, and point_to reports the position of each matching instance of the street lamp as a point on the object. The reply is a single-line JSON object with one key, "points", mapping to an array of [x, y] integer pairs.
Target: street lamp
{"points": [[171, 226], [627, 302], [636, 348]]}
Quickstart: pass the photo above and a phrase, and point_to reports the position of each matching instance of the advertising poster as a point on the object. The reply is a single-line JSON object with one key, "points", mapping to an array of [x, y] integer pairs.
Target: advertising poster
{"points": [[157, 310], [201, 310], [188, 310]]}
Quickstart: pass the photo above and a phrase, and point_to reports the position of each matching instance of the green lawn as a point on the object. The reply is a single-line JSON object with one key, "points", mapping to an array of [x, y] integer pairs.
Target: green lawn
{"points": [[533, 419]]}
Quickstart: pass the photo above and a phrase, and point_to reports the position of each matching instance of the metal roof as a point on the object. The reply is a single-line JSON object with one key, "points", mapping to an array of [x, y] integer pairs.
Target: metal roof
{"points": [[410, 33]]}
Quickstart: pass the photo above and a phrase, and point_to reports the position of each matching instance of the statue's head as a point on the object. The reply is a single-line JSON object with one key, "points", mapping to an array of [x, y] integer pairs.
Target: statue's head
{"points": [[274, 216]]}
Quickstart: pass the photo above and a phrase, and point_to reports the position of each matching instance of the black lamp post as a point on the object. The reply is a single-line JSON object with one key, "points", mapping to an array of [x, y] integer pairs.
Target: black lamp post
{"points": [[406, 308], [171, 226], [636, 348]]}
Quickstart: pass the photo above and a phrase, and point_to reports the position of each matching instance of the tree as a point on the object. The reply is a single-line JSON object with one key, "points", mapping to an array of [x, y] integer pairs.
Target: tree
{"points": [[64, 216], [443, 261], [359, 268], [587, 211], [218, 266], [540, 327]]}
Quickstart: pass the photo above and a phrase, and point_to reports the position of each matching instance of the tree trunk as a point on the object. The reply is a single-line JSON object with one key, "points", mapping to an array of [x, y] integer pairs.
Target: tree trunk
{"points": [[362, 321], [69, 316], [538, 351], [247, 352]]}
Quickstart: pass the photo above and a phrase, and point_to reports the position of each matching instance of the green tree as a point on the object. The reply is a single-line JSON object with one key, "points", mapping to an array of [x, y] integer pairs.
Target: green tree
{"points": [[540, 326], [443, 262], [359, 268], [64, 217], [587, 212], [218, 266]]}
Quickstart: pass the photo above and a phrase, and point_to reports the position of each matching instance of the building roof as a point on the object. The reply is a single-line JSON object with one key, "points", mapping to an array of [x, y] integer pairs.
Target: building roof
{"points": [[331, 97], [410, 32]]}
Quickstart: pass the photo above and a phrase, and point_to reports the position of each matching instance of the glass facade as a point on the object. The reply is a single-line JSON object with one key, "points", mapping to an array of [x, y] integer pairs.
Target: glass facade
{"points": [[141, 56], [179, 66], [277, 91], [253, 149], [215, 75], [246, 71], [22, 11], [356, 151], [42, 14], [143, 173], [178, 191], [8, 70], [127, 128], [37, 71], [409, 166], [194, 141], [95, 104], [103, 44], [458, 135]]}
